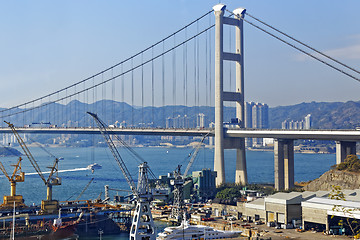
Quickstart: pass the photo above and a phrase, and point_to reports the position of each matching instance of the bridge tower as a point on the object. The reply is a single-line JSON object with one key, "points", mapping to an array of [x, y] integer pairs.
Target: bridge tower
{"points": [[237, 96]]}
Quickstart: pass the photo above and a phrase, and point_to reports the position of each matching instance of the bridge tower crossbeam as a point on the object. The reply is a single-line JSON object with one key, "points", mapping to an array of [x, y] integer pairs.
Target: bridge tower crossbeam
{"points": [[237, 96]]}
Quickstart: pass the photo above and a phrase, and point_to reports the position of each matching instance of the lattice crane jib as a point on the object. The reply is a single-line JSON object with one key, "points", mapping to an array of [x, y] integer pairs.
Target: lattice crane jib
{"points": [[49, 205], [142, 226]]}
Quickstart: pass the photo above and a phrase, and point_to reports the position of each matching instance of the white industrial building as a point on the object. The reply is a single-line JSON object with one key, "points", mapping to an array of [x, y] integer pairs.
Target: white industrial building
{"points": [[311, 210]]}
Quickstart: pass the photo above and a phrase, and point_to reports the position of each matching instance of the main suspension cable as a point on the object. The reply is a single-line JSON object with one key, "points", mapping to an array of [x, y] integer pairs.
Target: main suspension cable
{"points": [[306, 45], [301, 50]]}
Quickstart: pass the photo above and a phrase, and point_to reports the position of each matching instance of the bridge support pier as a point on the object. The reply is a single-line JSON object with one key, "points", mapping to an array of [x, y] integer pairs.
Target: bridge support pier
{"points": [[239, 145], [344, 148], [241, 172], [284, 163]]}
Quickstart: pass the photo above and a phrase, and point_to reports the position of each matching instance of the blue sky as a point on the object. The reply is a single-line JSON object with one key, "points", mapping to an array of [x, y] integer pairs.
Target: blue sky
{"points": [[47, 45]]}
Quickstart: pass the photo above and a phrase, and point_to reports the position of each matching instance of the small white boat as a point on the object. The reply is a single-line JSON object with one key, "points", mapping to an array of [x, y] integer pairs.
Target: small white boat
{"points": [[188, 232], [94, 166]]}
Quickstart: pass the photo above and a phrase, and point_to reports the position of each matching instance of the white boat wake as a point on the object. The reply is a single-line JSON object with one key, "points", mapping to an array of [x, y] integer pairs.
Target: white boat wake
{"points": [[65, 170]]}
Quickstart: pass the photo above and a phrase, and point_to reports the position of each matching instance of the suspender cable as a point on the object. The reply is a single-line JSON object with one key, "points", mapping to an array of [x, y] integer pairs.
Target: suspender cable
{"points": [[230, 62], [184, 82], [142, 90], [113, 97], [86, 103], [163, 84], [174, 77], [132, 93], [75, 109], [198, 70], [206, 70], [152, 88], [195, 85], [122, 115], [210, 58]]}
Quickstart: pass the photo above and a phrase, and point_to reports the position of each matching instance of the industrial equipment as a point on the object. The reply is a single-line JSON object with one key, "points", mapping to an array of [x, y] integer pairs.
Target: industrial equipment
{"points": [[86, 187], [17, 176], [142, 227], [49, 205], [178, 183]]}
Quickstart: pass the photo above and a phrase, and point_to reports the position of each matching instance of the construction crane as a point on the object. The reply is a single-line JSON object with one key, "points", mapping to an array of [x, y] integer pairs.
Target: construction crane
{"points": [[142, 226], [178, 183], [86, 187], [17, 176], [49, 205]]}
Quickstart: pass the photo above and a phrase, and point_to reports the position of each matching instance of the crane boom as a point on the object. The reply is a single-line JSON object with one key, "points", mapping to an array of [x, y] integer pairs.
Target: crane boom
{"points": [[87, 185], [2, 168], [27, 152], [115, 153], [194, 156], [142, 226]]}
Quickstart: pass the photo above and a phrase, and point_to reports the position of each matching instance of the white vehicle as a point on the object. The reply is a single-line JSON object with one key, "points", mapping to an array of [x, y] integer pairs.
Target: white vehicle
{"points": [[188, 232]]}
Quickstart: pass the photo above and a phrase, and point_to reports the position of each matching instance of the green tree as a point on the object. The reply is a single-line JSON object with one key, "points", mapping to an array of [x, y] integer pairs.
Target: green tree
{"points": [[228, 193], [351, 163]]}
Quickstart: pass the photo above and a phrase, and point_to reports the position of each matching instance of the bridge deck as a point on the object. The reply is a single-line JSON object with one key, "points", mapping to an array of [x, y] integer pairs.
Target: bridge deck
{"points": [[329, 134]]}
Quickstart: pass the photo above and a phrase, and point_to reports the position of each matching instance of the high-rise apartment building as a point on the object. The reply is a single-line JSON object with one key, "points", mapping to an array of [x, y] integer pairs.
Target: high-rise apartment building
{"points": [[256, 116], [200, 120], [177, 122], [303, 124], [308, 121]]}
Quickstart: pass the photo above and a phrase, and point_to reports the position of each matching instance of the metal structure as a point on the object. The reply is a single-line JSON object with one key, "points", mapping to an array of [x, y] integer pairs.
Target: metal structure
{"points": [[86, 187], [17, 176], [178, 183], [142, 227], [49, 205]]}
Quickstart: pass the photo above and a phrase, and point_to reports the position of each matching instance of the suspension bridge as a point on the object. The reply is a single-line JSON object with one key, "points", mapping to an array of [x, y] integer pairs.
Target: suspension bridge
{"points": [[178, 87]]}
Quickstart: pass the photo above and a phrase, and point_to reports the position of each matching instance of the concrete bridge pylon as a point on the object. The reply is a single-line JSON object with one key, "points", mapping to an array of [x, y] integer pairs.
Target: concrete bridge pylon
{"points": [[236, 96]]}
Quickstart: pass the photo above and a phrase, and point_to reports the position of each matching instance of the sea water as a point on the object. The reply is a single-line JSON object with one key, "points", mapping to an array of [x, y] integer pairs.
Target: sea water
{"points": [[75, 175]]}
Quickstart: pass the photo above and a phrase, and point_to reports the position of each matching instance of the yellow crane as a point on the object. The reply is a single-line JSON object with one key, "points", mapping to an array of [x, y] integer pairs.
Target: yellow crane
{"points": [[17, 176], [49, 205]]}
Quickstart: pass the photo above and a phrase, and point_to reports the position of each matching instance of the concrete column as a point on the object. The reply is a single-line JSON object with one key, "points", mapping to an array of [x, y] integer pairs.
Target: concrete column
{"points": [[219, 132], [241, 171], [289, 164], [343, 149], [279, 164], [284, 164]]}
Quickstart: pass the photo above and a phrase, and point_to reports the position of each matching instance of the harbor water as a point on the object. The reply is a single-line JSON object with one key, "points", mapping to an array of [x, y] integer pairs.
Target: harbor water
{"points": [[75, 175]]}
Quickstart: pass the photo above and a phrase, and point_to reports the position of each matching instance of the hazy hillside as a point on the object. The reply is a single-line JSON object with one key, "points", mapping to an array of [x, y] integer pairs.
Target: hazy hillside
{"points": [[325, 115], [336, 115]]}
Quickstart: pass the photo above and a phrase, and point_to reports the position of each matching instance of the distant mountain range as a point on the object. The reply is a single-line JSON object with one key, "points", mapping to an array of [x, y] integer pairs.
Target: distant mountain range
{"points": [[325, 115]]}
